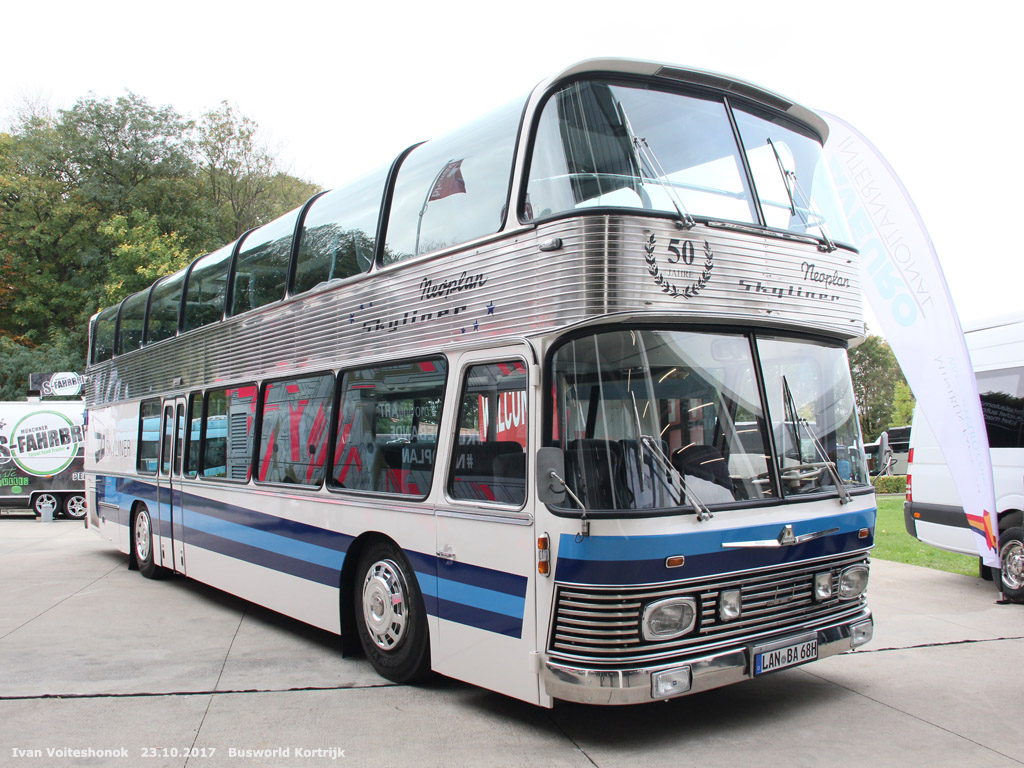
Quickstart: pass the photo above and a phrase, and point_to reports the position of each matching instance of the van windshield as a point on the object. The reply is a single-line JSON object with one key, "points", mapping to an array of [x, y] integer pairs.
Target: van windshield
{"points": [[665, 419]]}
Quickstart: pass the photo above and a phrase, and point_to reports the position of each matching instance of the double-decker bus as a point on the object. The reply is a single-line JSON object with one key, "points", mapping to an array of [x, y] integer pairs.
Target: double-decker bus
{"points": [[557, 404]]}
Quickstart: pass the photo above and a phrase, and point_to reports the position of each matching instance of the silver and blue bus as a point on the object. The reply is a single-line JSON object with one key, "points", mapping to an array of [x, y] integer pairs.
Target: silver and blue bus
{"points": [[557, 404]]}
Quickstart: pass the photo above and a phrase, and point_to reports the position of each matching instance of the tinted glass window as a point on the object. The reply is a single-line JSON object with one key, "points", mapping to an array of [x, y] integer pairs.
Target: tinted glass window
{"points": [[195, 421], [605, 145], [296, 418], [103, 335], [453, 189], [149, 436], [133, 321], [339, 233], [489, 462], [261, 269], [387, 427], [163, 308], [227, 432], [1002, 403], [207, 287]]}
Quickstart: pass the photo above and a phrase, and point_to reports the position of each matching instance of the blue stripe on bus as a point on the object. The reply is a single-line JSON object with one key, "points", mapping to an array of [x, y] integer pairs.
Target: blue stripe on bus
{"points": [[475, 597], [480, 619], [641, 559], [265, 558], [261, 539], [483, 598]]}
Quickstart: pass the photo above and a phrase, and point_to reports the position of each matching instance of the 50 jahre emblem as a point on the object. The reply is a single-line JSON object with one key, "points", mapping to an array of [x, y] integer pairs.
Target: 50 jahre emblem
{"points": [[680, 252]]}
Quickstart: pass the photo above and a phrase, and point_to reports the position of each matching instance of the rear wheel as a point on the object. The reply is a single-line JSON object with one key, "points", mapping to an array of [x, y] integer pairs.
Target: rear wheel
{"points": [[142, 544], [1011, 554], [390, 615], [74, 506]]}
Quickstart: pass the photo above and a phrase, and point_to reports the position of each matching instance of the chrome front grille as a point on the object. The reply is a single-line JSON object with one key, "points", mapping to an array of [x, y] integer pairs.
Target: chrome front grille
{"points": [[599, 624]]}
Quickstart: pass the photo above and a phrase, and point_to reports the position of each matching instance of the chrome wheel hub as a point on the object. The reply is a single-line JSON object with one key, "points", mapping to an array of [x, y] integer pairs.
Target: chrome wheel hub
{"points": [[384, 604], [142, 537], [1012, 556]]}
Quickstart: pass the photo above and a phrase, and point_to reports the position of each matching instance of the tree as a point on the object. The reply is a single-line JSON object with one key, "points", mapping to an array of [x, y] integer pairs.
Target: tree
{"points": [[875, 376], [903, 405]]}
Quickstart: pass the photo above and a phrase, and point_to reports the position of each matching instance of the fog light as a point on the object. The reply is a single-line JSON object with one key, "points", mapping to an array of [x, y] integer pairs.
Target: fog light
{"points": [[861, 633], [670, 682], [822, 586], [729, 605], [670, 618], [853, 581]]}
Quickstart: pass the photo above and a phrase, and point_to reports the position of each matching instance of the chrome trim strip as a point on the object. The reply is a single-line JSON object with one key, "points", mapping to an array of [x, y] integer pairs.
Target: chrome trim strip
{"points": [[633, 685]]}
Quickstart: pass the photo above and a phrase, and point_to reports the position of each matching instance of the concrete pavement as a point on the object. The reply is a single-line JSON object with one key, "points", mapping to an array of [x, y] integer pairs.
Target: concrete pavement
{"points": [[99, 666]]}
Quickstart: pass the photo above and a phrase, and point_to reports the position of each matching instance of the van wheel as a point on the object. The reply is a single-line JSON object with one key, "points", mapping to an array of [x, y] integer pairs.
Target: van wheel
{"points": [[1011, 554], [390, 616], [142, 545]]}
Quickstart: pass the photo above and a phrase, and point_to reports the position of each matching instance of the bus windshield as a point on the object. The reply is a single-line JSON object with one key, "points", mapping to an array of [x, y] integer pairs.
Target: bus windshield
{"points": [[661, 419], [608, 145]]}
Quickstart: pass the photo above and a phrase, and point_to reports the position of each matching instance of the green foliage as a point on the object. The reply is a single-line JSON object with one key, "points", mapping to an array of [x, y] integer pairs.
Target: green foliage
{"points": [[903, 405], [890, 483], [100, 200], [140, 253], [20, 360], [875, 376]]}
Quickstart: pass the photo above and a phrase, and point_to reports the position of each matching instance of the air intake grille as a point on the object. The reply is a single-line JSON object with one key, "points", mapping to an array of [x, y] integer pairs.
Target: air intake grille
{"points": [[602, 624]]}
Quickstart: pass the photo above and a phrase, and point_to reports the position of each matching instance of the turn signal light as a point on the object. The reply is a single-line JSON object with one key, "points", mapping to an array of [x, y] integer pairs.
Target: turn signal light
{"points": [[543, 555]]}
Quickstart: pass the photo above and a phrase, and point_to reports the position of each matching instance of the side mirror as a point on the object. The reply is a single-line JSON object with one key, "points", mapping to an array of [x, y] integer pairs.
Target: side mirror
{"points": [[549, 489], [883, 445]]}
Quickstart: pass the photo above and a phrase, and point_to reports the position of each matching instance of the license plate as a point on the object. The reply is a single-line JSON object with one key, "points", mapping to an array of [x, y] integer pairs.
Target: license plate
{"points": [[788, 653]]}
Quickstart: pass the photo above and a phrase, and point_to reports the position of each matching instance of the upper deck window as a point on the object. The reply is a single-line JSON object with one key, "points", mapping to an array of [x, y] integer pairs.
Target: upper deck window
{"points": [[133, 322], [454, 189], [164, 305], [793, 183], [610, 145], [339, 233], [261, 268], [206, 289], [103, 335]]}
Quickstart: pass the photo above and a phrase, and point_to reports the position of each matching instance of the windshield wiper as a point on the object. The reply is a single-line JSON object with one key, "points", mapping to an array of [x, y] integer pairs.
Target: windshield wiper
{"points": [[654, 446], [793, 188], [647, 161], [790, 407]]}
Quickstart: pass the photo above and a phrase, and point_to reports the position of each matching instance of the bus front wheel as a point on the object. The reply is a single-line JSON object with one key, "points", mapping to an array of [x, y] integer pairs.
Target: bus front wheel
{"points": [[142, 544], [1011, 554], [390, 616]]}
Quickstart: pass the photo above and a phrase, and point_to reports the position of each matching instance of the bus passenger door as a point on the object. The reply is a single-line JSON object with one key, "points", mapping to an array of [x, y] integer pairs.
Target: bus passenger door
{"points": [[485, 533], [172, 442]]}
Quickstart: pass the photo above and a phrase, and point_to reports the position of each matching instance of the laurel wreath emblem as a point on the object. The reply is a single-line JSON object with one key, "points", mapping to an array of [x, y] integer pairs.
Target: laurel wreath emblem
{"points": [[670, 288]]}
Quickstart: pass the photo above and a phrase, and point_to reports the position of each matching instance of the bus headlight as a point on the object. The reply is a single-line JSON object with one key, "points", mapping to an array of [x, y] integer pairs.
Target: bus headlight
{"points": [[853, 581], [823, 586], [668, 619]]}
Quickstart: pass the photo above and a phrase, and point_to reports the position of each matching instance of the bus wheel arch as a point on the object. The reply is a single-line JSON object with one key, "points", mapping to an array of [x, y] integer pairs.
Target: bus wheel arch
{"points": [[386, 610]]}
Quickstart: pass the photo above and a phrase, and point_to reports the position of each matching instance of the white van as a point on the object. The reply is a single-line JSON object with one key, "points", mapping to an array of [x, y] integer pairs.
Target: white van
{"points": [[933, 510]]}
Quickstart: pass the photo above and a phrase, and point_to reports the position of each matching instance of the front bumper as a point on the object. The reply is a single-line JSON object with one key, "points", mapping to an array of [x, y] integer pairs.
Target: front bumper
{"points": [[714, 670]]}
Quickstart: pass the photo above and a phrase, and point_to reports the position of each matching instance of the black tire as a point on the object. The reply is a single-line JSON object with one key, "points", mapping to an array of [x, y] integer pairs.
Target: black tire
{"points": [[142, 544], [391, 619], [984, 572], [74, 506], [1011, 554]]}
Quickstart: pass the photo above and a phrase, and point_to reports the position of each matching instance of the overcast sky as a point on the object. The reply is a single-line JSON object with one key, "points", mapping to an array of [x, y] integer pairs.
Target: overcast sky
{"points": [[340, 89]]}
